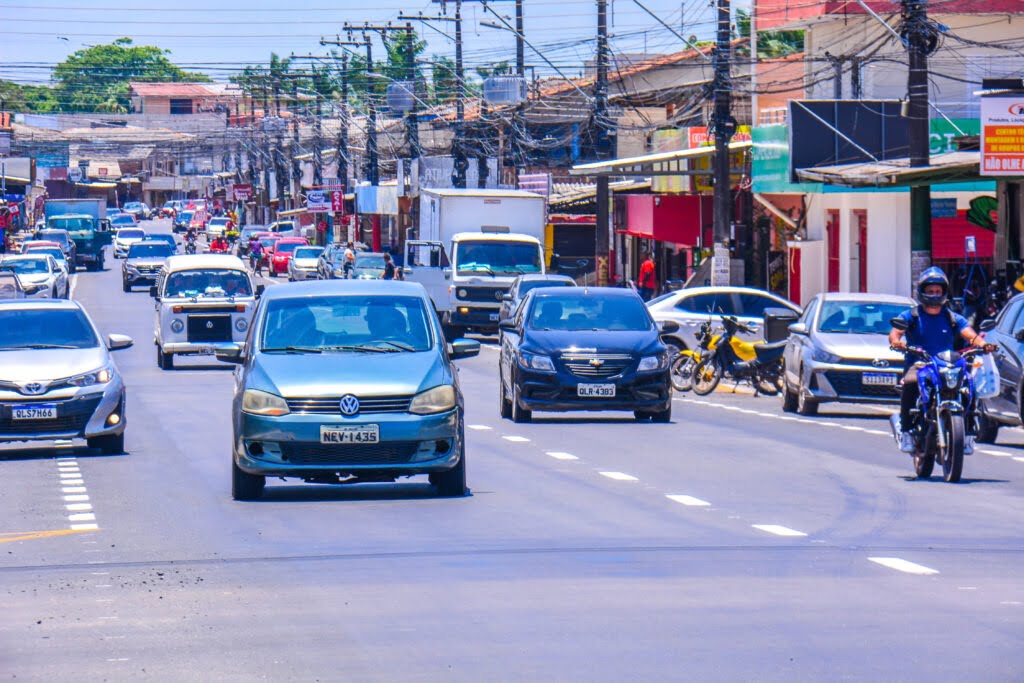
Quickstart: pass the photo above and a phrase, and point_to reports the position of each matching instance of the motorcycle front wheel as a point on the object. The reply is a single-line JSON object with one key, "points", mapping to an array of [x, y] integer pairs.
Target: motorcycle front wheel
{"points": [[706, 376], [952, 456], [681, 372]]}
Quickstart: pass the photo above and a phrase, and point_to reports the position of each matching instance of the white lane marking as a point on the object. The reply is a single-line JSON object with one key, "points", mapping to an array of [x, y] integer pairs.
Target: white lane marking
{"points": [[85, 527], [66, 458], [786, 418], [516, 439], [559, 455], [998, 454], [902, 565], [77, 498], [71, 287], [967, 588], [778, 530], [79, 507], [619, 476], [72, 482], [68, 469], [74, 489], [688, 500], [1010, 602], [70, 475], [117, 659], [100, 573], [479, 428], [1018, 459], [82, 517]]}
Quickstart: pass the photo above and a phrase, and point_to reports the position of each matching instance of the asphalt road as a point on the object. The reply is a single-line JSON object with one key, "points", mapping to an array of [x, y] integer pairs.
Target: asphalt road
{"points": [[736, 543]]}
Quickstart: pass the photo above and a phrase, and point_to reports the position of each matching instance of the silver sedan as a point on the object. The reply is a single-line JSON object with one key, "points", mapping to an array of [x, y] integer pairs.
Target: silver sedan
{"points": [[839, 352], [40, 275]]}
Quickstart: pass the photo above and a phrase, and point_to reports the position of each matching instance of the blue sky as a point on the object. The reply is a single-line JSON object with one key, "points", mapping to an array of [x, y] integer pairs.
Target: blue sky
{"points": [[220, 37]]}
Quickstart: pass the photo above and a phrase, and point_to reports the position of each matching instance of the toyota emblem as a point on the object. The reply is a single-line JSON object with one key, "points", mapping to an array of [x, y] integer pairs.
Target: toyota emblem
{"points": [[34, 388], [880, 363], [209, 324], [349, 405]]}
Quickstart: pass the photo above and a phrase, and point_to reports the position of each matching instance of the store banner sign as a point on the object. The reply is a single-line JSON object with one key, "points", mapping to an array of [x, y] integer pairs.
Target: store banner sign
{"points": [[318, 201], [1002, 136]]}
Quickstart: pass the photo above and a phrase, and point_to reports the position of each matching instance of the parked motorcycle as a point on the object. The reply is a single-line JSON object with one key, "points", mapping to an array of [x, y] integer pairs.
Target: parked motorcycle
{"points": [[759, 364], [944, 410], [686, 361]]}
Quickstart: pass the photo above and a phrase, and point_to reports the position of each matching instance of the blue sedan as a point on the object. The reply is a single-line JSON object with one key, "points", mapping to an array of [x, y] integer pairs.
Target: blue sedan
{"points": [[346, 381]]}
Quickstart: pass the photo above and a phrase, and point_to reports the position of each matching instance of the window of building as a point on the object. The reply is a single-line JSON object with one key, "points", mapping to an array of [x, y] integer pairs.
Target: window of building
{"points": [[181, 106]]}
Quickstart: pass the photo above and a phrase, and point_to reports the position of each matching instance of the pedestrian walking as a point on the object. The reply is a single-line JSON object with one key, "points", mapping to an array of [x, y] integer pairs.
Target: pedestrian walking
{"points": [[389, 268], [648, 280]]}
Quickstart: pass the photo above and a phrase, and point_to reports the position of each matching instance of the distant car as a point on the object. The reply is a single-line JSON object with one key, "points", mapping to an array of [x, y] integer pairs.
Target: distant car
{"points": [[583, 348], [347, 381], [331, 261], [55, 251], [123, 220], [41, 277], [137, 209], [694, 306], [1004, 409], [61, 237], [126, 237], [281, 254], [284, 228], [267, 241], [218, 226], [163, 237], [369, 265], [57, 379], [31, 244], [838, 351], [10, 285], [523, 284], [199, 220], [143, 262], [182, 220], [246, 233], [302, 265]]}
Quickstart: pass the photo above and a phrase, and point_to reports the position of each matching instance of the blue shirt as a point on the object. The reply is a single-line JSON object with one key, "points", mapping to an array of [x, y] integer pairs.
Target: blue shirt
{"points": [[933, 333]]}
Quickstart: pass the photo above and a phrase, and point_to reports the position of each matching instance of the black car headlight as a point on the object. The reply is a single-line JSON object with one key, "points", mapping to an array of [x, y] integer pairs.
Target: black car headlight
{"points": [[534, 361], [652, 363]]}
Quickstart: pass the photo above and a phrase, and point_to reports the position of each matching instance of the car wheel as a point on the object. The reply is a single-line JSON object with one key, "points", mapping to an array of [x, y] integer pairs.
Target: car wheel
{"points": [[112, 444], [519, 414], [805, 405], [452, 484], [988, 429], [504, 405], [245, 486], [164, 361], [789, 399], [125, 286]]}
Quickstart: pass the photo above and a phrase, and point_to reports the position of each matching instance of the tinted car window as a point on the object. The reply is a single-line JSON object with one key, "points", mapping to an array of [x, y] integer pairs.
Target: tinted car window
{"points": [[752, 305], [554, 312], [137, 250], [720, 303], [307, 252], [130, 234], [858, 317], [27, 266], [21, 328], [1009, 317], [212, 283]]}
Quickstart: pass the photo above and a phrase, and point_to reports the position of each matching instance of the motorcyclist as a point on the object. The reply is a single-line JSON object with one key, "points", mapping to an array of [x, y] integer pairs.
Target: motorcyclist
{"points": [[933, 326], [256, 255], [190, 240], [219, 245]]}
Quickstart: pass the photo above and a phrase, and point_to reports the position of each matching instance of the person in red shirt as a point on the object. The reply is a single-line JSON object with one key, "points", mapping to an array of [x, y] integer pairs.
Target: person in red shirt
{"points": [[648, 281]]}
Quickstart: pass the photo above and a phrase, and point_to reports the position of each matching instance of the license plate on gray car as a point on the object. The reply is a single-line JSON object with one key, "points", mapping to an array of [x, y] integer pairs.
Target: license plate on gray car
{"points": [[34, 412], [885, 379]]}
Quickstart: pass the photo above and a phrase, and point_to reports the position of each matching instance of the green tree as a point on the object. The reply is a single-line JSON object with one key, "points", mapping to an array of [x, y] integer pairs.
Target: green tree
{"points": [[96, 78], [770, 43], [445, 85], [28, 98]]}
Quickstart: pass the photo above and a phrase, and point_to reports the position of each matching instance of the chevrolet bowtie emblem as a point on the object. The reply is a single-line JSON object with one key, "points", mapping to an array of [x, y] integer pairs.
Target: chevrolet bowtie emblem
{"points": [[596, 362]]}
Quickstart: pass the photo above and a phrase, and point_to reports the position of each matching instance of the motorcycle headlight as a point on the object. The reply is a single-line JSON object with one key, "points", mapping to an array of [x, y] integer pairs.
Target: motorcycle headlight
{"points": [[436, 400], [101, 376], [177, 325], [951, 377], [256, 402], [823, 356], [650, 363], [533, 361]]}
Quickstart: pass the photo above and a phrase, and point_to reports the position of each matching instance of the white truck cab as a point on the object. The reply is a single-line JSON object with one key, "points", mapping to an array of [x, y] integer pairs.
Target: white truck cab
{"points": [[203, 302]]}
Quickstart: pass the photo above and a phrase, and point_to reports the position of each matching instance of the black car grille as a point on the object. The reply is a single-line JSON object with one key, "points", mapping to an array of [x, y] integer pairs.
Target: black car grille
{"points": [[209, 328], [72, 416], [332, 405], [596, 364], [849, 384], [389, 453], [489, 294], [147, 269]]}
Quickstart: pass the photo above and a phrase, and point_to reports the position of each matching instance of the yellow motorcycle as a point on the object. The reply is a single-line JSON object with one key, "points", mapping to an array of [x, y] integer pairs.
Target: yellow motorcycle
{"points": [[759, 364], [686, 361]]}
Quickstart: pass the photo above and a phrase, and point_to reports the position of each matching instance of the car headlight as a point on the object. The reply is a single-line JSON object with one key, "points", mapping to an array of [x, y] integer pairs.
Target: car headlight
{"points": [[32, 289], [823, 356], [649, 363], [131, 268], [533, 361], [461, 293], [101, 376], [256, 402], [436, 400], [241, 325], [951, 377], [177, 325]]}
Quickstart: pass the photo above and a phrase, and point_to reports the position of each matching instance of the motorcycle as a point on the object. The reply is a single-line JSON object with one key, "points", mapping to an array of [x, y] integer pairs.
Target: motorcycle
{"points": [[945, 409], [190, 246], [759, 364], [686, 361], [219, 248]]}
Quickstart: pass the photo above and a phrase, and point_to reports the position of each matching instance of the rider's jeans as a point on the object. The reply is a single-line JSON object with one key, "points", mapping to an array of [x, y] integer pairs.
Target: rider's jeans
{"points": [[908, 397]]}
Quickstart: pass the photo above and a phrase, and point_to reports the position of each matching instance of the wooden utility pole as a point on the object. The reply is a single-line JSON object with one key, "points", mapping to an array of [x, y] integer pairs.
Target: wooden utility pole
{"points": [[602, 242], [919, 38], [723, 126]]}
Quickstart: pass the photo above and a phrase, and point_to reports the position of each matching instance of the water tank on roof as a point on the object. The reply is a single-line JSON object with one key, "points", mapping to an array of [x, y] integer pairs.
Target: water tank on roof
{"points": [[504, 90], [400, 97]]}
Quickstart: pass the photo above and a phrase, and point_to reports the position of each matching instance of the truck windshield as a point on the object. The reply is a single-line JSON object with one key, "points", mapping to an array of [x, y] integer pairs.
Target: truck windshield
{"points": [[76, 226], [497, 258]]}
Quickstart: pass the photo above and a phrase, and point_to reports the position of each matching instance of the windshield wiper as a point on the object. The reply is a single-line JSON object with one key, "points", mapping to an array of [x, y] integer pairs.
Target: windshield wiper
{"points": [[398, 345], [360, 347], [293, 349], [478, 267], [39, 346]]}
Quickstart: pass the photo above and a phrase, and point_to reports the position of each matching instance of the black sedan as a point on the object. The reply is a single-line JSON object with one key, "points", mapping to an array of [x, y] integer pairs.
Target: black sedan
{"points": [[583, 348]]}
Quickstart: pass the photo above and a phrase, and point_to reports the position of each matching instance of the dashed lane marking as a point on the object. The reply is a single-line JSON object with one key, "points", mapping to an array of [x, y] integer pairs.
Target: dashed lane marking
{"points": [[516, 439], [619, 476], [1018, 459], [778, 530], [688, 500], [479, 428], [904, 566], [784, 418], [71, 287], [560, 455], [998, 454]]}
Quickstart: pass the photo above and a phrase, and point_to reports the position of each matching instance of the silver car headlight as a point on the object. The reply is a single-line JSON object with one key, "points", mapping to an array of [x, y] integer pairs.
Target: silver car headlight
{"points": [[436, 400], [650, 363], [533, 361], [823, 356], [101, 376], [241, 325], [177, 325], [256, 402]]}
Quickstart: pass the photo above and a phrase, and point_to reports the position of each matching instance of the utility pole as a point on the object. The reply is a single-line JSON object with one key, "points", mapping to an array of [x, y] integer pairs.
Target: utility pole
{"points": [[724, 126], [296, 164], [602, 241], [372, 163], [919, 38]]}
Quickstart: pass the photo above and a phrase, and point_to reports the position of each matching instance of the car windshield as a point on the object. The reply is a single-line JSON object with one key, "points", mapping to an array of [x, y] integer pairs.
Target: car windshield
{"points": [[137, 250], [185, 215], [287, 247], [218, 221], [55, 252], [123, 219], [858, 317], [53, 236], [497, 257], [22, 328], [26, 266], [79, 227], [346, 324], [527, 285], [188, 284], [130, 234], [268, 241], [369, 262], [307, 252], [589, 312], [133, 205]]}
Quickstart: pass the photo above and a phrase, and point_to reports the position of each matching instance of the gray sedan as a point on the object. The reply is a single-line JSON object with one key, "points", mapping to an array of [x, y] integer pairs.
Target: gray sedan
{"points": [[839, 352], [346, 382]]}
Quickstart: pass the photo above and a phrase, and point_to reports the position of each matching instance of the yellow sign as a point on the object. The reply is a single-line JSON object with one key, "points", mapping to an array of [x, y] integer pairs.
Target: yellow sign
{"points": [[699, 138]]}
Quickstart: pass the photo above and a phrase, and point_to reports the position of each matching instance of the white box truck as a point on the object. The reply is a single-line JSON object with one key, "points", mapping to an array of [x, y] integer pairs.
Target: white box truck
{"points": [[470, 247]]}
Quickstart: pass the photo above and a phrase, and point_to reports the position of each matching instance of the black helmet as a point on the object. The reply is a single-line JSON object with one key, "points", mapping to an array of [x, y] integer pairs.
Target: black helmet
{"points": [[932, 276]]}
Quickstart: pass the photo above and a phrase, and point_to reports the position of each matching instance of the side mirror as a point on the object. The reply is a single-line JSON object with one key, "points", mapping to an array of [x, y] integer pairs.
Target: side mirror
{"points": [[1019, 336], [119, 341], [987, 325], [507, 325], [899, 324], [798, 328], [154, 292], [259, 290], [669, 327], [229, 353], [464, 348], [555, 263], [447, 273]]}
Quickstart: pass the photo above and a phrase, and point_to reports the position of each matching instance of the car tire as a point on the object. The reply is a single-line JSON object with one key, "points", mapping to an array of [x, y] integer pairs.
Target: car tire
{"points": [[112, 444], [661, 416], [805, 405], [789, 399], [125, 286], [452, 484], [520, 415], [988, 429], [245, 486], [504, 405], [164, 361]]}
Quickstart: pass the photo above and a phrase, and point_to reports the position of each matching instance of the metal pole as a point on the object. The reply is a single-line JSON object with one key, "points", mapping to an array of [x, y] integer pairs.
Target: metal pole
{"points": [[296, 164], [917, 37], [724, 126], [373, 169], [342, 152], [459, 148], [602, 245], [318, 156], [412, 122]]}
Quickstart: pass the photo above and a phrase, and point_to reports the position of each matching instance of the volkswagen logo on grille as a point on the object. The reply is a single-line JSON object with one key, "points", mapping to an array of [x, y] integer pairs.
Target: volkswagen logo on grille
{"points": [[34, 388], [349, 405], [596, 362], [499, 295], [209, 324], [880, 363]]}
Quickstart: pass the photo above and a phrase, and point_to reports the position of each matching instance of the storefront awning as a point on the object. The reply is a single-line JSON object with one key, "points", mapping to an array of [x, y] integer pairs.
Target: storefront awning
{"points": [[98, 186], [949, 167], [774, 210], [662, 163]]}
